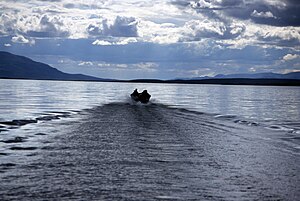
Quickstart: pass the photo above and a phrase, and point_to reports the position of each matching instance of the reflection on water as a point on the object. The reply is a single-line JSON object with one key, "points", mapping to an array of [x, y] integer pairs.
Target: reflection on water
{"points": [[25, 98]]}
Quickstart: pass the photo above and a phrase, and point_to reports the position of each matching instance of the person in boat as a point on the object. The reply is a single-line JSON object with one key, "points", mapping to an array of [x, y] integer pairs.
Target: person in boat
{"points": [[143, 97], [135, 95]]}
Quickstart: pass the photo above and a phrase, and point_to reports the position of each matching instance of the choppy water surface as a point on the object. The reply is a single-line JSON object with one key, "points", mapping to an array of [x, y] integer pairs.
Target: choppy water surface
{"points": [[88, 141]]}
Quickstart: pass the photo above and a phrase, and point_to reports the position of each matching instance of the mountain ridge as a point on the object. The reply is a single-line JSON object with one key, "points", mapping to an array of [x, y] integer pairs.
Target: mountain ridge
{"points": [[20, 67]]}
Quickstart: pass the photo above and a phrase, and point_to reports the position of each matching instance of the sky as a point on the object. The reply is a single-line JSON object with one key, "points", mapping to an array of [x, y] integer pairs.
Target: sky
{"points": [[162, 39]]}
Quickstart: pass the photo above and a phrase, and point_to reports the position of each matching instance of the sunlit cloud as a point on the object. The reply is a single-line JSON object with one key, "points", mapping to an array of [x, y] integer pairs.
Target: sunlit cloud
{"points": [[267, 14], [289, 57]]}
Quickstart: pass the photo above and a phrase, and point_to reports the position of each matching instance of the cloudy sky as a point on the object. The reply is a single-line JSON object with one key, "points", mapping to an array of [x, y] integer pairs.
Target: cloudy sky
{"points": [[155, 39]]}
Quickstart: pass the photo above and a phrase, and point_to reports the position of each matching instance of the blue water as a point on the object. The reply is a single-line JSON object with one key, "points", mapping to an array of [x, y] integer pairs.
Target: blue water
{"points": [[88, 141]]}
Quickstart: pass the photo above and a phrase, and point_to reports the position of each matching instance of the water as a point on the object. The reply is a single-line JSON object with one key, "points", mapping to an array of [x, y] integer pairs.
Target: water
{"points": [[88, 141]]}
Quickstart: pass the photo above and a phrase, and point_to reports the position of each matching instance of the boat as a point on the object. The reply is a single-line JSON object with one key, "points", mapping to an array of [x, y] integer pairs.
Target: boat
{"points": [[143, 97]]}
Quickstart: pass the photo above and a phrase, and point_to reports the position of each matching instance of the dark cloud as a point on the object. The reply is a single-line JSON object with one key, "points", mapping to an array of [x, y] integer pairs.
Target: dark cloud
{"points": [[208, 4], [182, 3], [51, 0], [121, 27], [213, 25], [288, 15], [231, 3], [281, 13], [81, 6]]}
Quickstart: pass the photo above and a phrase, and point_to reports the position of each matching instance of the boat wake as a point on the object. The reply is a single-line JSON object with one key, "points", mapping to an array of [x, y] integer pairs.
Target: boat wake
{"points": [[148, 151]]}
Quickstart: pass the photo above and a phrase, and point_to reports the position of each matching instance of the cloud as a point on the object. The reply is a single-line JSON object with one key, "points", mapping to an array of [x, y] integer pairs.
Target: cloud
{"points": [[267, 14], [283, 36], [49, 27], [201, 4], [8, 24], [141, 66], [101, 42], [86, 63], [82, 6], [33, 25], [121, 41], [21, 39], [120, 27], [211, 4], [146, 66], [141, 60], [115, 66], [161, 33], [196, 30], [49, 9], [209, 36], [126, 41], [205, 29], [289, 57], [274, 13], [51, 0]]}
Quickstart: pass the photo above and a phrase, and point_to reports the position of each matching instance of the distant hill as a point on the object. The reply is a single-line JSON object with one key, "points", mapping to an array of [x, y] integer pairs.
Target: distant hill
{"points": [[294, 75], [14, 66], [226, 81], [268, 79]]}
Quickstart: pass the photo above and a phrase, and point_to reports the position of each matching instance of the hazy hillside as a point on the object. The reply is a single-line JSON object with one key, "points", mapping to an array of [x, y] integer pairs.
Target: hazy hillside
{"points": [[14, 66], [294, 75]]}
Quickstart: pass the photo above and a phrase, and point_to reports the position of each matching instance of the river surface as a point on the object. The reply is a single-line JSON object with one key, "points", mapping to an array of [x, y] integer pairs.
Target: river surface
{"points": [[89, 141]]}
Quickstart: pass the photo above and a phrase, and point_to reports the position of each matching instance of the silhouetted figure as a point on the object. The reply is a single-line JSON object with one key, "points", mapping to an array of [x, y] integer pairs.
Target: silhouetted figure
{"points": [[135, 95], [143, 97]]}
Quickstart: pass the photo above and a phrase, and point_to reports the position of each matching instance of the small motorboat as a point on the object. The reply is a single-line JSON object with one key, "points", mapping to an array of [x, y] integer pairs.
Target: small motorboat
{"points": [[143, 97]]}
